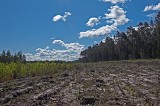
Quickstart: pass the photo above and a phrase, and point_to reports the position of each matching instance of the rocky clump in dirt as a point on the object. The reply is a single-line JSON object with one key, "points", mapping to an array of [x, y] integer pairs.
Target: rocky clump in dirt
{"points": [[88, 101], [99, 82]]}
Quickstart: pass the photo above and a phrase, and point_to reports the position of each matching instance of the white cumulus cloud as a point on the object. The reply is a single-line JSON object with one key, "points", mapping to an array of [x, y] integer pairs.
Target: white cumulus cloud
{"points": [[116, 17], [93, 21], [105, 30], [58, 42], [57, 18], [152, 7], [74, 47], [60, 17], [114, 1], [70, 53]]}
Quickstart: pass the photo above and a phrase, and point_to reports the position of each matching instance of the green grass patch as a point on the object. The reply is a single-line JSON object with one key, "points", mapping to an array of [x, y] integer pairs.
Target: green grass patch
{"points": [[20, 70]]}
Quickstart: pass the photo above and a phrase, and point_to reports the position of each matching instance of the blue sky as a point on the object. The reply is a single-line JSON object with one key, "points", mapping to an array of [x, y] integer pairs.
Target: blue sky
{"points": [[60, 29]]}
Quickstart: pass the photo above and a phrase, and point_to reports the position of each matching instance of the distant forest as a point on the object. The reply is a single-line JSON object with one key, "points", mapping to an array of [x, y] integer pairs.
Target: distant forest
{"points": [[142, 42], [7, 57]]}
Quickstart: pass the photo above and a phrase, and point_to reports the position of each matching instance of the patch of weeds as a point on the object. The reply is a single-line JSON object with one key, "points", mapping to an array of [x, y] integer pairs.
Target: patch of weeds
{"points": [[131, 91]]}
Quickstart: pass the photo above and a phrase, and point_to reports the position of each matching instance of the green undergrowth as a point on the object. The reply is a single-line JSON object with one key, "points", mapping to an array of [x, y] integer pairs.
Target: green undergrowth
{"points": [[11, 71]]}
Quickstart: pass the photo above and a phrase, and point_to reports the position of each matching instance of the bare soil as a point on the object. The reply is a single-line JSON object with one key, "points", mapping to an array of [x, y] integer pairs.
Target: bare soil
{"points": [[93, 84]]}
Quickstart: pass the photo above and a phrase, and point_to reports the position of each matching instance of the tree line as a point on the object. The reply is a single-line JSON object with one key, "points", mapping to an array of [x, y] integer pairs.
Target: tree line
{"points": [[142, 42], [7, 57]]}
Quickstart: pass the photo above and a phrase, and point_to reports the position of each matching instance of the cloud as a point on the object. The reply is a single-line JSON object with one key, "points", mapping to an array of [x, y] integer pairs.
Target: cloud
{"points": [[66, 15], [116, 17], [72, 52], [58, 42], [57, 18], [93, 21], [152, 15], [51, 55], [152, 7], [73, 47], [114, 1], [105, 30], [47, 47], [63, 18]]}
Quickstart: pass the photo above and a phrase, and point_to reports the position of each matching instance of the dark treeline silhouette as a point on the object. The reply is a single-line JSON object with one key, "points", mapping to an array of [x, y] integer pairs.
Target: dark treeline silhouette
{"points": [[46, 61], [142, 42], [7, 57]]}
